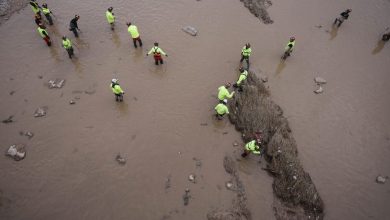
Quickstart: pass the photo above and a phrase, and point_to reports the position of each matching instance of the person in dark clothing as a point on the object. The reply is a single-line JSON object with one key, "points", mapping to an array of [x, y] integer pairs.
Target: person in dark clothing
{"points": [[386, 37], [35, 7], [38, 19], [73, 25], [343, 16]]}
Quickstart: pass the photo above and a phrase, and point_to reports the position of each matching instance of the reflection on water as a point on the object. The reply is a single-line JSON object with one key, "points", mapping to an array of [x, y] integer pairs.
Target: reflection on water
{"points": [[115, 38], [281, 66], [333, 32], [54, 53], [378, 47], [77, 65], [123, 107]]}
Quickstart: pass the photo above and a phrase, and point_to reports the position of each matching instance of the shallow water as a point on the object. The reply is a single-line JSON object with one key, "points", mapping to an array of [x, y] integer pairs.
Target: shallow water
{"points": [[70, 172]]}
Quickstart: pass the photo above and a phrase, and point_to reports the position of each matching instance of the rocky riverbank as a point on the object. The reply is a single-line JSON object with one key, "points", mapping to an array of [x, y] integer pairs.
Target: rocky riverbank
{"points": [[7, 8]]}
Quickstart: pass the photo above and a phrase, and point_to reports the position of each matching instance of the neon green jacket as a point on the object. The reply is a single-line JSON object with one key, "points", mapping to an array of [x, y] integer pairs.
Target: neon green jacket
{"points": [[156, 51], [42, 32], [133, 30], [252, 146], [67, 44], [116, 89], [246, 52], [223, 93], [288, 46], [242, 77], [221, 109], [35, 9], [110, 17], [46, 11]]}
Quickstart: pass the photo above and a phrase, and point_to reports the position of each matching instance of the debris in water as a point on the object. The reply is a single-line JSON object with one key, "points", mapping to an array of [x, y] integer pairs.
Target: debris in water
{"points": [[198, 163], [72, 102], [12, 92], [235, 144], [264, 78], [17, 152], [229, 185], [225, 132], [190, 30], [318, 26], [319, 90], [27, 133], [191, 178], [56, 84], [319, 80], [186, 196], [168, 182], [90, 92], [40, 77], [203, 124], [40, 112], [381, 179], [120, 159], [8, 120]]}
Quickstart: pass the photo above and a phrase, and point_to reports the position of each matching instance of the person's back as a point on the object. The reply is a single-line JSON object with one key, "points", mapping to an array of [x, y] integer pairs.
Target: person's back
{"points": [[133, 30]]}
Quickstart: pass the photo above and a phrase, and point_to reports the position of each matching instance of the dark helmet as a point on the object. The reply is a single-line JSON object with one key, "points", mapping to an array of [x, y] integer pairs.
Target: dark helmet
{"points": [[156, 44], [241, 69], [63, 37], [292, 38], [227, 85], [128, 23], [248, 45], [77, 16], [349, 10], [110, 8], [44, 5]]}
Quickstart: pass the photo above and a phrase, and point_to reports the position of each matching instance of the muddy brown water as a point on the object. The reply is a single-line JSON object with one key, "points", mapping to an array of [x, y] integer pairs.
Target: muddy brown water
{"points": [[343, 135]]}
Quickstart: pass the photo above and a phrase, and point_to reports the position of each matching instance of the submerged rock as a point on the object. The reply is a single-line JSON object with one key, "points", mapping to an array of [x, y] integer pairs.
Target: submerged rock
{"points": [[17, 152], [319, 90], [381, 179], [56, 83], [27, 133], [319, 80], [8, 120], [190, 30], [40, 112], [186, 197], [120, 159], [192, 178]]}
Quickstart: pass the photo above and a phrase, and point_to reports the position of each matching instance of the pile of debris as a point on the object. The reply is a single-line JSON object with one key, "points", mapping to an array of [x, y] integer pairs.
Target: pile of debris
{"points": [[253, 110]]}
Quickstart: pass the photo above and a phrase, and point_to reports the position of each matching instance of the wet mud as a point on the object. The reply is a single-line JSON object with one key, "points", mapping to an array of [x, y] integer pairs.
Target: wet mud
{"points": [[253, 110]]}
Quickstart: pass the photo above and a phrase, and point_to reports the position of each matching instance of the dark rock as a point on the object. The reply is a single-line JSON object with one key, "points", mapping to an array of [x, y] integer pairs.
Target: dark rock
{"points": [[120, 159], [40, 112], [186, 197], [381, 179], [12, 92], [72, 102], [8, 120]]}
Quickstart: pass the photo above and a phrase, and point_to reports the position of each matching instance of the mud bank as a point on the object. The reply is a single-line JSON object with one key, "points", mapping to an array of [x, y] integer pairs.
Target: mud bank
{"points": [[239, 209], [8, 7], [253, 110], [259, 9]]}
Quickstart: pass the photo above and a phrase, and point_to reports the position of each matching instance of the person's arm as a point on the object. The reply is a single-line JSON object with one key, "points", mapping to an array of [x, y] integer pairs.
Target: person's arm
{"points": [[119, 89], [162, 52], [150, 51], [227, 110], [230, 95], [257, 150], [240, 79]]}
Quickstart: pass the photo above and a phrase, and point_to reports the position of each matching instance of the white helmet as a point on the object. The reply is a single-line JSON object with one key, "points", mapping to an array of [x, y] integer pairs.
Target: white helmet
{"points": [[114, 80], [225, 101]]}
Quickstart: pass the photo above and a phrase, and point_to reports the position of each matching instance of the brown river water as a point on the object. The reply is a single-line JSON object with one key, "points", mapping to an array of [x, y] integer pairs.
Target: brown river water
{"points": [[343, 135]]}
